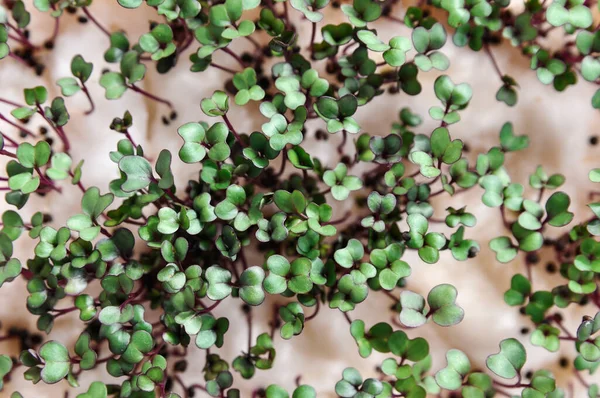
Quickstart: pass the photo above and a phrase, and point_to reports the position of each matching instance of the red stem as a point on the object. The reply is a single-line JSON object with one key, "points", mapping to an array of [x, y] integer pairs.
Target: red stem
{"points": [[94, 21]]}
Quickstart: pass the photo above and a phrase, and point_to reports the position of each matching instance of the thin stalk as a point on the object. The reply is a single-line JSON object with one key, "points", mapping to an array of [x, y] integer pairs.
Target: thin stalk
{"points": [[25, 130], [19, 39], [6, 153], [223, 68], [234, 56], [20, 33], [151, 96], [493, 59], [283, 163], [12, 103], [249, 318], [18, 59], [235, 134], [56, 29], [313, 34], [7, 138], [89, 97], [95, 22], [59, 130], [314, 314]]}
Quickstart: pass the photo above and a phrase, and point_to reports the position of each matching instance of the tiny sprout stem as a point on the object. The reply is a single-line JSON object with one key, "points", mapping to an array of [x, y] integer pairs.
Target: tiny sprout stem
{"points": [[349, 46], [249, 319], [339, 220], [391, 296], [493, 59], [59, 130], [209, 308], [340, 147], [89, 97], [313, 35], [314, 314], [284, 159], [46, 181], [580, 379], [130, 138], [234, 55], [6, 153], [395, 19], [18, 59], [516, 385], [63, 311], [23, 129], [540, 194], [10, 140], [223, 68], [151, 96], [19, 32], [89, 15], [253, 41], [12, 103], [230, 127], [79, 184], [20, 40], [56, 29], [347, 317], [8, 337]]}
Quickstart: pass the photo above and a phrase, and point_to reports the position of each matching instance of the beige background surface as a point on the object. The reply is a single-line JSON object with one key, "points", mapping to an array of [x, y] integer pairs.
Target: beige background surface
{"points": [[559, 126]]}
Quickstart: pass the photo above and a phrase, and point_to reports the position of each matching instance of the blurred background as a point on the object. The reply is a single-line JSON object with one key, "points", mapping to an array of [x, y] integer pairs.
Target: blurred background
{"points": [[560, 126]]}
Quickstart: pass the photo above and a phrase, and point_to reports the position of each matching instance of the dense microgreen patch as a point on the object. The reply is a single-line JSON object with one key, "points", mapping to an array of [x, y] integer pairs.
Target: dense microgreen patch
{"points": [[330, 233]]}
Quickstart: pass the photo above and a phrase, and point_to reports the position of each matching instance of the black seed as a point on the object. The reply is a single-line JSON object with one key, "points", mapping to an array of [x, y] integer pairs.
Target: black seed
{"points": [[71, 9], [173, 115], [264, 83], [558, 317], [49, 45], [82, 19], [36, 339], [165, 120], [524, 330], [551, 268], [39, 69], [594, 140], [532, 258], [230, 87], [247, 57], [335, 4], [472, 252], [43, 130], [46, 218], [563, 362], [22, 134], [522, 310]]}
